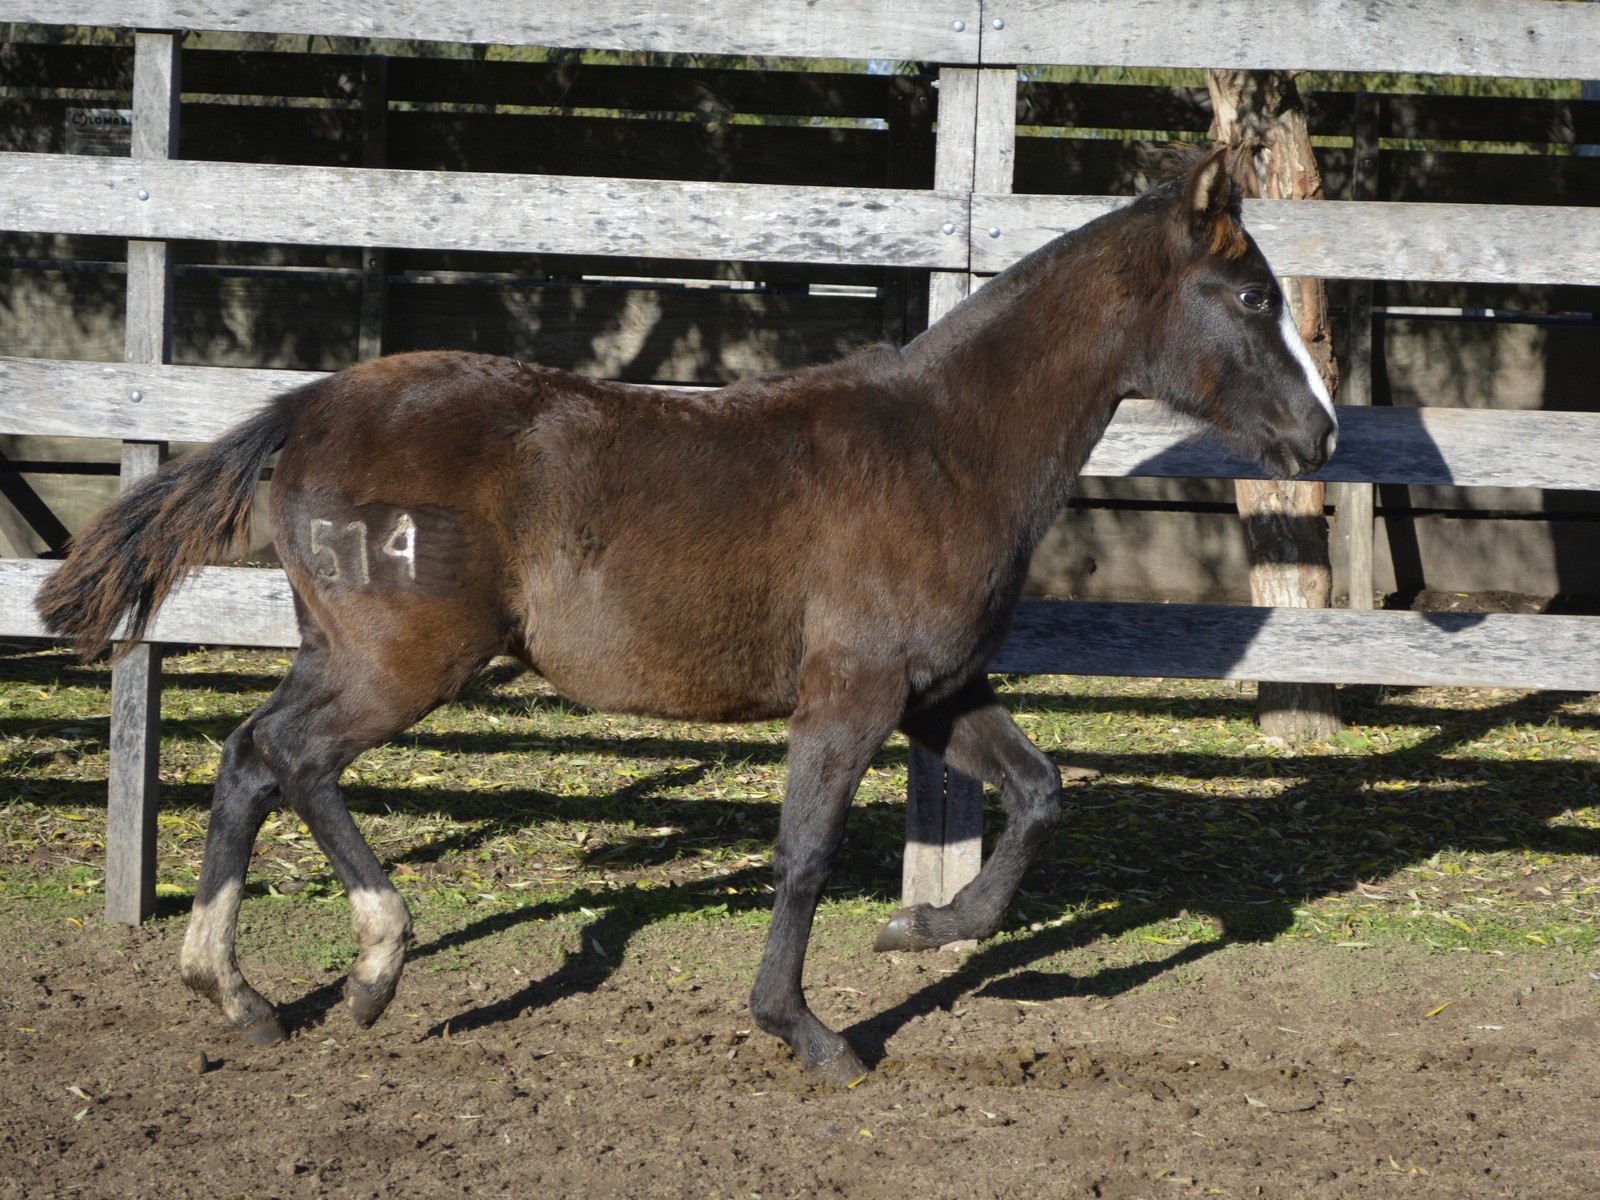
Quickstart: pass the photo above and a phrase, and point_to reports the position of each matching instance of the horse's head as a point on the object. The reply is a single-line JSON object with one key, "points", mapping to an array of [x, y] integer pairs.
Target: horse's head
{"points": [[1222, 346]]}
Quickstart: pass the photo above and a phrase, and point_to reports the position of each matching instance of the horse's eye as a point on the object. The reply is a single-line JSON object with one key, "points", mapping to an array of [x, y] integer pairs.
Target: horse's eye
{"points": [[1256, 299]]}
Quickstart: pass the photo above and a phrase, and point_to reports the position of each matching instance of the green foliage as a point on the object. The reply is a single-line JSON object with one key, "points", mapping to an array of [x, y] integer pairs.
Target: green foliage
{"points": [[1442, 85]]}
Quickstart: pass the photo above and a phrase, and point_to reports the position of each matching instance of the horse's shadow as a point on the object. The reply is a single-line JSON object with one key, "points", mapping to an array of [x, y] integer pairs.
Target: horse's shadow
{"points": [[606, 938], [1115, 832], [1000, 972], [1256, 883], [996, 971]]}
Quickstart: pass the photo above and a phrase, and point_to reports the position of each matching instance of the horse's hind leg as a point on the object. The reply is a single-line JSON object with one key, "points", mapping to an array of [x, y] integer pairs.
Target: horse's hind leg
{"points": [[308, 741], [380, 917], [246, 791], [975, 735], [293, 750]]}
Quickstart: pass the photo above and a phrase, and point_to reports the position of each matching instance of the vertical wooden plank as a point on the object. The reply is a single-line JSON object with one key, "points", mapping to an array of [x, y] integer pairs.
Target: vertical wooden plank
{"points": [[922, 869], [963, 836], [133, 786], [944, 830], [955, 146], [374, 153], [946, 289], [976, 152], [956, 139], [131, 792], [1353, 502], [148, 333], [995, 156]]}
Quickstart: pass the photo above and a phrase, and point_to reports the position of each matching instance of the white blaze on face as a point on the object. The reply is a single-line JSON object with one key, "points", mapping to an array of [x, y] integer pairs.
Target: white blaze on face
{"points": [[1297, 347]]}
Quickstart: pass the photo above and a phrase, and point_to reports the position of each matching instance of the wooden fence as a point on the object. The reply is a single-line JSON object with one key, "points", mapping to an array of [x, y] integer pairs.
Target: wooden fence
{"points": [[318, 307], [957, 217]]}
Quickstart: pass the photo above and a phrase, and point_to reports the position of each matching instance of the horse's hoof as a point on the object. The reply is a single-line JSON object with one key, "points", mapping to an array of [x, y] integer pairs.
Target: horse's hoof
{"points": [[366, 1004], [902, 933], [265, 1031], [843, 1070]]}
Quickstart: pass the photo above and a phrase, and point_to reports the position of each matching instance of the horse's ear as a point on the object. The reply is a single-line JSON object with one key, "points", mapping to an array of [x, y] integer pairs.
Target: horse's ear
{"points": [[1210, 205], [1209, 187]]}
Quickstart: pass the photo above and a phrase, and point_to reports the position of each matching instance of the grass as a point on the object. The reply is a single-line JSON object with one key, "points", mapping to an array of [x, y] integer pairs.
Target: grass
{"points": [[1461, 820]]}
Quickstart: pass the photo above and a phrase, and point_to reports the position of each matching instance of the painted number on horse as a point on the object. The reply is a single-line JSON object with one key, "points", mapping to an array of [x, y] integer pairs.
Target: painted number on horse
{"points": [[374, 545], [341, 553]]}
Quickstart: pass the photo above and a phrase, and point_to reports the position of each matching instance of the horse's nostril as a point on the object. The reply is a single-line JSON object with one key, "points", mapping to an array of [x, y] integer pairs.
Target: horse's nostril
{"points": [[1330, 443]]}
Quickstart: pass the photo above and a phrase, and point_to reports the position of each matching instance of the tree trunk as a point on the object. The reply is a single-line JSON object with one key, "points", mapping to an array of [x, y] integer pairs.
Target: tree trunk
{"points": [[1261, 115]]}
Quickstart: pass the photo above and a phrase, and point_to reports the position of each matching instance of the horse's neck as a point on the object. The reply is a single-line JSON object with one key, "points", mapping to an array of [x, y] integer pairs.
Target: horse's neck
{"points": [[1026, 374]]}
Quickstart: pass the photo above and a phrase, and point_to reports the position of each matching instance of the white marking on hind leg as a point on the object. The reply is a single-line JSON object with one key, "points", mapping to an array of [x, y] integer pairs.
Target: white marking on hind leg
{"points": [[1297, 348], [383, 930], [208, 963]]}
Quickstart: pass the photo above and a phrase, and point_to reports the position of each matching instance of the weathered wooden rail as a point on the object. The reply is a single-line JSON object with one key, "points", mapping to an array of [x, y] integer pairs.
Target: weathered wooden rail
{"points": [[966, 225]]}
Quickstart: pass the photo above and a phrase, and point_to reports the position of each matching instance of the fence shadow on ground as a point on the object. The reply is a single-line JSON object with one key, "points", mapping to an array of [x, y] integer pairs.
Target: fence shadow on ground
{"points": [[1134, 849], [1257, 872]]}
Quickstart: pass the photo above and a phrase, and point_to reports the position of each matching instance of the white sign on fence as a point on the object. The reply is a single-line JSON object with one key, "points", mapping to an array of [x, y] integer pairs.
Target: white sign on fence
{"points": [[107, 132]]}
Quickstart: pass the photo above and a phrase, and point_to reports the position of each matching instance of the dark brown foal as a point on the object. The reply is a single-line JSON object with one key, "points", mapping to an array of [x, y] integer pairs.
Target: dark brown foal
{"points": [[843, 546]]}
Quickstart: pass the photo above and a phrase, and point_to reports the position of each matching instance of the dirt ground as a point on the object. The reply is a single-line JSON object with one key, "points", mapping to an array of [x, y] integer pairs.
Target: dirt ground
{"points": [[1217, 1069]]}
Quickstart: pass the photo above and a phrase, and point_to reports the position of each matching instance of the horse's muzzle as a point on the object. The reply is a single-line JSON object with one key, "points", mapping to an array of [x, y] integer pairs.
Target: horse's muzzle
{"points": [[1311, 452]]}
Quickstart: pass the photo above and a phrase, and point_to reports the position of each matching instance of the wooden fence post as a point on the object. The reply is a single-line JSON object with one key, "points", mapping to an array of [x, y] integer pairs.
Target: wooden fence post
{"points": [[135, 740], [954, 149], [374, 153], [975, 152], [1353, 502], [910, 152]]}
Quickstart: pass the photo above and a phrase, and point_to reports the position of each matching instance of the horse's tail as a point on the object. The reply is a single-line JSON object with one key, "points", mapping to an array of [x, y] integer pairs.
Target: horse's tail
{"points": [[193, 511]]}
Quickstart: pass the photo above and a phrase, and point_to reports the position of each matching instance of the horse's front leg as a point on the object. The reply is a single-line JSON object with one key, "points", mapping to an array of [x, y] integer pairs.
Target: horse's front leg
{"points": [[974, 734], [828, 754]]}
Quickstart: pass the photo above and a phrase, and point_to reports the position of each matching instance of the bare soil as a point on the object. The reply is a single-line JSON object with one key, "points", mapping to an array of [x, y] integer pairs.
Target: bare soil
{"points": [[546, 1064]]}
